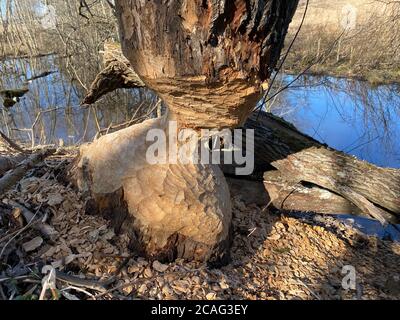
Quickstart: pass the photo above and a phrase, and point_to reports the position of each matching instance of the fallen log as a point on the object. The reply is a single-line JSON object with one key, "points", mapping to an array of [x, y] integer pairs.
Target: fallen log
{"points": [[13, 176], [360, 182], [299, 158], [8, 163]]}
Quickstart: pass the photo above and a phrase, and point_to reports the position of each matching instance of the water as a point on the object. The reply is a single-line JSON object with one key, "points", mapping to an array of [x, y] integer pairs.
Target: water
{"points": [[348, 115], [50, 111]]}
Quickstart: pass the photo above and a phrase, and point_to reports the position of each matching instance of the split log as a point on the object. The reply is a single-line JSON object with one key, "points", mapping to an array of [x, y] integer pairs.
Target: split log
{"points": [[280, 146], [12, 177], [360, 182], [208, 61], [291, 196], [118, 74]]}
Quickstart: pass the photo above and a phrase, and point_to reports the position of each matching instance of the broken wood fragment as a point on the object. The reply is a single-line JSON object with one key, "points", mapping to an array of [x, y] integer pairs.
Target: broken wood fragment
{"points": [[118, 74], [12, 177], [45, 229]]}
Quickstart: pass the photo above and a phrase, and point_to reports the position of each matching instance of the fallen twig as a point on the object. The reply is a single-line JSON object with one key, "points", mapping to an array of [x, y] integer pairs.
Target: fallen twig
{"points": [[78, 282], [45, 229], [11, 143], [19, 232]]}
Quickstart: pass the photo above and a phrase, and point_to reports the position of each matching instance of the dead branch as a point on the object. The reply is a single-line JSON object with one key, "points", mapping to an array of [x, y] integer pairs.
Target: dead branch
{"points": [[12, 177]]}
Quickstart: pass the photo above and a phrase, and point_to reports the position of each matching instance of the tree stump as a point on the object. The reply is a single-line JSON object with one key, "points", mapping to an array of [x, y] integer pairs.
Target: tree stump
{"points": [[207, 60]]}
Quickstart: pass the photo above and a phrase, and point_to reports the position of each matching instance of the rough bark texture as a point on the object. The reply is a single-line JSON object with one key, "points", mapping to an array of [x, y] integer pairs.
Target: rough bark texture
{"points": [[206, 59], [289, 196], [360, 182]]}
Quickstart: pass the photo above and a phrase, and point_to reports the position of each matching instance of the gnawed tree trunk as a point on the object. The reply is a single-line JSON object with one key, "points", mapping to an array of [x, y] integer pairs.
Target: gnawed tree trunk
{"points": [[207, 60], [276, 139]]}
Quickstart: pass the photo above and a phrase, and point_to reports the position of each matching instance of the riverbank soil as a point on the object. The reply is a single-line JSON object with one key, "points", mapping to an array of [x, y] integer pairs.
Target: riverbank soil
{"points": [[274, 255]]}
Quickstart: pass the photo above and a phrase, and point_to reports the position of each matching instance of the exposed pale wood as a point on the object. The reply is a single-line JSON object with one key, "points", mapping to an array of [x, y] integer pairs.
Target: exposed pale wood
{"points": [[170, 210], [13, 176]]}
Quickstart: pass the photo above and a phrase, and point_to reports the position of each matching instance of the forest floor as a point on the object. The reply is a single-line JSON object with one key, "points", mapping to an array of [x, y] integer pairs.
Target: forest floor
{"points": [[274, 255]]}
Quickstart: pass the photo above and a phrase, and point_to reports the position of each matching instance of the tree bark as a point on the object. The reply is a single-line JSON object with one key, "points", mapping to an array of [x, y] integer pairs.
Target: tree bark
{"points": [[207, 60]]}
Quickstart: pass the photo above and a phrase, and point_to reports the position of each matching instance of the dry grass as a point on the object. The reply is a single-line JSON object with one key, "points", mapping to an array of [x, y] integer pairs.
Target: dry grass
{"points": [[369, 51]]}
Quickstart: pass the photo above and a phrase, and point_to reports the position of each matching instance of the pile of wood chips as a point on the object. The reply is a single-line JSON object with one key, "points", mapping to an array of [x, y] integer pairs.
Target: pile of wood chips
{"points": [[274, 256]]}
